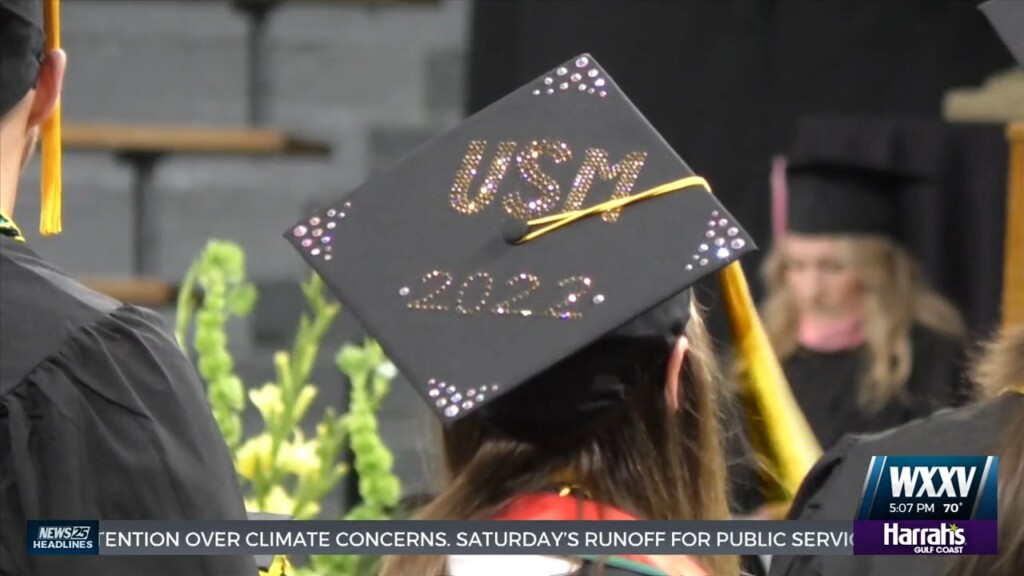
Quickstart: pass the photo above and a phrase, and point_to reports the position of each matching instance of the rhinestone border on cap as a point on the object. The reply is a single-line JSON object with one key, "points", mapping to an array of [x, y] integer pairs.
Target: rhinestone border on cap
{"points": [[317, 234], [451, 401], [718, 243], [578, 76]]}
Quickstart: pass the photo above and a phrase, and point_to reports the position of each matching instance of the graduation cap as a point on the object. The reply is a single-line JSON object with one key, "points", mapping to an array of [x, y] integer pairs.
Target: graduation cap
{"points": [[28, 29], [1007, 17], [849, 176], [544, 235]]}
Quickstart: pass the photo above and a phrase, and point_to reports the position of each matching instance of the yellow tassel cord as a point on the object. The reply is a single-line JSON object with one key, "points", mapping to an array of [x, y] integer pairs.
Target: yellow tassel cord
{"points": [[556, 221], [50, 217]]}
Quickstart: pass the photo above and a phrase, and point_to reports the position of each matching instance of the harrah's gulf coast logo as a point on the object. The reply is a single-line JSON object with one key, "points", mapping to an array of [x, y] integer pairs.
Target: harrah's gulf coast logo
{"points": [[929, 505], [63, 537]]}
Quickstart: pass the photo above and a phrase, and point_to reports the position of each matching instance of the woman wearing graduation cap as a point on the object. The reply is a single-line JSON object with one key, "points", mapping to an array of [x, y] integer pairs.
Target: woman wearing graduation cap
{"points": [[991, 426], [865, 342], [101, 415], [529, 273]]}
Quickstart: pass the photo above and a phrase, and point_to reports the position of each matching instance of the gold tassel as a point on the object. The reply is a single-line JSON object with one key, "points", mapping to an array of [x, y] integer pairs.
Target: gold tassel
{"points": [[783, 439], [49, 219], [1013, 267]]}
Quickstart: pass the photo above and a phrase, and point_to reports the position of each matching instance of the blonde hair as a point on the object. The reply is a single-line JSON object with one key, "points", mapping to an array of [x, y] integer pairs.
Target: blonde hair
{"points": [[896, 296], [658, 464], [998, 369], [1001, 362]]}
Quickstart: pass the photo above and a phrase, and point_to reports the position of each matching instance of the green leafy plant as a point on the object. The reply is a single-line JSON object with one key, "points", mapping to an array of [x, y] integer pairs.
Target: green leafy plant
{"points": [[280, 469]]}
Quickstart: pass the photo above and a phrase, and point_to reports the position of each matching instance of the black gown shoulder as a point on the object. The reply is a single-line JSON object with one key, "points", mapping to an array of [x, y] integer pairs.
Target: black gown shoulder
{"points": [[101, 417]]}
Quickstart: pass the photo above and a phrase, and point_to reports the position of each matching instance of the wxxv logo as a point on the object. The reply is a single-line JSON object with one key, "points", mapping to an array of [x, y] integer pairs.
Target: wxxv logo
{"points": [[929, 505], [63, 537]]}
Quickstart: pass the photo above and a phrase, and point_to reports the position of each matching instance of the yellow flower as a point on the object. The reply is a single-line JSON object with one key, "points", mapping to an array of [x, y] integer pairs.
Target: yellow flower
{"points": [[309, 509], [253, 455], [278, 502], [267, 400], [305, 398], [279, 567], [299, 457]]}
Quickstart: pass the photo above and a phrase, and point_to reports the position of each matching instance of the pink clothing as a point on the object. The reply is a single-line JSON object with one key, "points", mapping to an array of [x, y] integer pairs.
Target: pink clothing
{"points": [[833, 335]]}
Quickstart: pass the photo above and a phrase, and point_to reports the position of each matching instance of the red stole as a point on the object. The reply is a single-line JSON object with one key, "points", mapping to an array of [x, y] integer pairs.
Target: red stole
{"points": [[544, 506]]}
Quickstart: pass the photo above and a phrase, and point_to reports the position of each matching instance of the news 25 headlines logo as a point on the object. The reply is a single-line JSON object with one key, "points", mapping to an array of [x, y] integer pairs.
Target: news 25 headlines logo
{"points": [[928, 505], [64, 537]]}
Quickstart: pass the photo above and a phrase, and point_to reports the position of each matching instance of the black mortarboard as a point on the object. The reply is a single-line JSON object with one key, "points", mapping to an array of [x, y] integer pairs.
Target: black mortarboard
{"points": [[1007, 17], [21, 49], [848, 176], [431, 255]]}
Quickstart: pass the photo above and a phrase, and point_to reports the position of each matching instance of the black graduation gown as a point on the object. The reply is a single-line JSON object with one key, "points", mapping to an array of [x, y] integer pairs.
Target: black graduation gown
{"points": [[101, 417], [825, 386], [832, 489]]}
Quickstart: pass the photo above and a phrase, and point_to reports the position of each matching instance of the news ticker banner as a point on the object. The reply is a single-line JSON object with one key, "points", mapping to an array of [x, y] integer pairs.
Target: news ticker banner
{"points": [[910, 505], [442, 537], [929, 505]]}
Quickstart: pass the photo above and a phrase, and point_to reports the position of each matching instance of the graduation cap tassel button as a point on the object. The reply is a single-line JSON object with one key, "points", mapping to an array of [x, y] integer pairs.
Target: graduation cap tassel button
{"points": [[512, 231]]}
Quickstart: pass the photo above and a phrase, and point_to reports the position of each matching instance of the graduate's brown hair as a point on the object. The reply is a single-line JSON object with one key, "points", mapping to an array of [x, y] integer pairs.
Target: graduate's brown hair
{"points": [[653, 462], [896, 297], [998, 370]]}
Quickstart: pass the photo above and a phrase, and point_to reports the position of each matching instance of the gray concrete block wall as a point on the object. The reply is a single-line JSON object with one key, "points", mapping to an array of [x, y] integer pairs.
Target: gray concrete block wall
{"points": [[372, 80], [338, 73]]}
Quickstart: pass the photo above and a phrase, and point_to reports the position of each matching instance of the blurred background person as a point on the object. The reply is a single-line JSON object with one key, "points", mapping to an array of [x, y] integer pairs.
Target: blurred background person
{"points": [[864, 340], [865, 343], [992, 426]]}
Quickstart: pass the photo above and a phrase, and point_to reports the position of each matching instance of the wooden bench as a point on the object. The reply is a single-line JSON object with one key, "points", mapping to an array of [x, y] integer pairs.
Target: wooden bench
{"points": [[159, 140], [142, 146], [139, 291]]}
